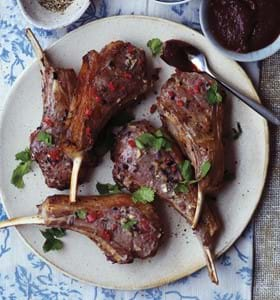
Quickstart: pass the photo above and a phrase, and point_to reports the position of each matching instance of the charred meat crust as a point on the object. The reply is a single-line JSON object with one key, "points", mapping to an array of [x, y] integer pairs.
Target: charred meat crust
{"points": [[107, 82], [195, 124], [159, 170], [104, 224], [57, 89]]}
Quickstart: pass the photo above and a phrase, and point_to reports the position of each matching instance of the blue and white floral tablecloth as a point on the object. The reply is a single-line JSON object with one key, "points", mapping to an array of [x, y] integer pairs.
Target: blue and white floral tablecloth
{"points": [[22, 274]]}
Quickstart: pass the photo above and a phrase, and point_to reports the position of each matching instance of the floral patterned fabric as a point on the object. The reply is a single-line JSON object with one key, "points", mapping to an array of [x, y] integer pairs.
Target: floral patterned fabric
{"points": [[22, 274]]}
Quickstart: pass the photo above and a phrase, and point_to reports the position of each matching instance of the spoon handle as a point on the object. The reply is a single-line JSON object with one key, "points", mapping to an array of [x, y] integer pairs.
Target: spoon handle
{"points": [[257, 107]]}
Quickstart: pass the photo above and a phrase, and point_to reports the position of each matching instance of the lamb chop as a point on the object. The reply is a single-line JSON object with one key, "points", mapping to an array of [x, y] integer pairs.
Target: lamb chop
{"points": [[107, 82], [46, 141], [191, 109], [158, 168], [122, 229]]}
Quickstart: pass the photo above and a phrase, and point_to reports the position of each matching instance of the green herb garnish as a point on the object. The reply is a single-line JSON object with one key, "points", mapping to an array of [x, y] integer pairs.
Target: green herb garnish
{"points": [[81, 214], [181, 187], [52, 242], [23, 168], [185, 168], [107, 188], [236, 132], [186, 172], [204, 170], [45, 138], [129, 224], [144, 195], [157, 141], [24, 155], [213, 95], [155, 45]]}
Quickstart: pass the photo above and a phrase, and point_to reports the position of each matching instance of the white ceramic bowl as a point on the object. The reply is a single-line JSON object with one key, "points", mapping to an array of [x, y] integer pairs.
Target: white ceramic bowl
{"points": [[246, 57], [46, 19]]}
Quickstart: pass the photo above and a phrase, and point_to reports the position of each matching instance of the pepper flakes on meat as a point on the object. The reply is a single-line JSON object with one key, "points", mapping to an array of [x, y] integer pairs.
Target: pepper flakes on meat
{"points": [[153, 109], [88, 113], [54, 154], [48, 121], [106, 235], [127, 75], [132, 143], [180, 103], [111, 86]]}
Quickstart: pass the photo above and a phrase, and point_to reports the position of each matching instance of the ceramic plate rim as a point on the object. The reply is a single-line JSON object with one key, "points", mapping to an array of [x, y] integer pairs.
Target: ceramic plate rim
{"points": [[164, 280]]}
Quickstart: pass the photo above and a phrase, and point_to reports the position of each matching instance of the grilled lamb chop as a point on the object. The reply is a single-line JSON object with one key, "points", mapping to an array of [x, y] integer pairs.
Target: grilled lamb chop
{"points": [[158, 169], [107, 82], [196, 125], [46, 141], [122, 229]]}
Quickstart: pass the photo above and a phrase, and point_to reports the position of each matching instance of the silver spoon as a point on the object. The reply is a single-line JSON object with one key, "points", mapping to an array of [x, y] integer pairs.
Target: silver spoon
{"points": [[187, 58]]}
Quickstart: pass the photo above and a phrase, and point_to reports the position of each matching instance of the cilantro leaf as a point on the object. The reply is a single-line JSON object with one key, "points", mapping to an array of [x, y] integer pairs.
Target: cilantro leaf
{"points": [[181, 187], [18, 173], [204, 169], [81, 214], [155, 46], [45, 138], [129, 224], [23, 168], [51, 242], [213, 95], [185, 168], [107, 188], [156, 141], [24, 155], [236, 132], [144, 195]]}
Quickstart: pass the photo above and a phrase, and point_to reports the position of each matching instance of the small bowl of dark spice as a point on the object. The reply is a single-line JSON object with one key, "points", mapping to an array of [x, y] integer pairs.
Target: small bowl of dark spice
{"points": [[244, 30], [52, 14]]}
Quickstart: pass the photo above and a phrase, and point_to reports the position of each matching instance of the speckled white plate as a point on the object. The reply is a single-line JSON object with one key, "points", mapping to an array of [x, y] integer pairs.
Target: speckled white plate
{"points": [[180, 253]]}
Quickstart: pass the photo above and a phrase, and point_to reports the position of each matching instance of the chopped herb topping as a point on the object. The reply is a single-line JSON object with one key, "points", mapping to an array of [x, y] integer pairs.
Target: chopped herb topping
{"points": [[45, 138], [107, 188], [23, 168], [24, 155], [181, 187], [213, 95], [155, 45], [186, 172], [144, 195], [52, 242], [204, 169], [185, 168], [81, 214], [157, 141], [236, 132], [129, 224]]}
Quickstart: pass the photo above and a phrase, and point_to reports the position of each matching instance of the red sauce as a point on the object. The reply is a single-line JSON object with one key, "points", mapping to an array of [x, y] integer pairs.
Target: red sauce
{"points": [[244, 25]]}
